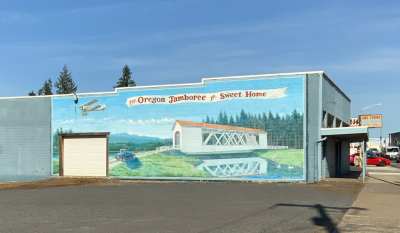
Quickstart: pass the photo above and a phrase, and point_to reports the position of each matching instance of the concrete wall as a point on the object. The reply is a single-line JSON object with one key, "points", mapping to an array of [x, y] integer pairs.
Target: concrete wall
{"points": [[334, 101], [345, 157], [330, 158], [313, 158], [25, 139]]}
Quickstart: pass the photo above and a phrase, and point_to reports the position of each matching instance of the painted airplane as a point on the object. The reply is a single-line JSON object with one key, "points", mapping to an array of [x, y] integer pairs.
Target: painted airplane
{"points": [[88, 107]]}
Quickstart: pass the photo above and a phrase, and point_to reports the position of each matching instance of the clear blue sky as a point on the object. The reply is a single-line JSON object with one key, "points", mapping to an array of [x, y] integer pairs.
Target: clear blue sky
{"points": [[157, 119], [165, 42]]}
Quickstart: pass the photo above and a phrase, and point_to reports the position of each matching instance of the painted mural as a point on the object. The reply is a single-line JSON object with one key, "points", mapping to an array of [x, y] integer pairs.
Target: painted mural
{"points": [[239, 128]]}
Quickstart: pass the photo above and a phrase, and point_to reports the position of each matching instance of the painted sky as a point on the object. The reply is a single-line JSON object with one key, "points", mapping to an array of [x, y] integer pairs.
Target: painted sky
{"points": [[178, 41], [157, 119]]}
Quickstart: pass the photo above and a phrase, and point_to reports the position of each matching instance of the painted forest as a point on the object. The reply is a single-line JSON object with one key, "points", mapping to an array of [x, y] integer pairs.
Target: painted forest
{"points": [[283, 130]]}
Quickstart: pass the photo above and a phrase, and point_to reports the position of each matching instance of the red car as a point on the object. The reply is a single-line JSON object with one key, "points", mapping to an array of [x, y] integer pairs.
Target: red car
{"points": [[372, 160]]}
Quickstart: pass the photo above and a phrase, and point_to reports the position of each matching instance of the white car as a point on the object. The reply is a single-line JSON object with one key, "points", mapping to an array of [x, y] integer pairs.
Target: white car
{"points": [[390, 152]]}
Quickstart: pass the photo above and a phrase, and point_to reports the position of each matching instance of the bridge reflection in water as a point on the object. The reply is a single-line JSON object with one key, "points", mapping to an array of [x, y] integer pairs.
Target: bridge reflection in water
{"points": [[234, 167]]}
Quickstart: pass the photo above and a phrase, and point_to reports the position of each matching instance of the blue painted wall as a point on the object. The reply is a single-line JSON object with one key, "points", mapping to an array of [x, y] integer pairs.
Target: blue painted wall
{"points": [[140, 121], [25, 141]]}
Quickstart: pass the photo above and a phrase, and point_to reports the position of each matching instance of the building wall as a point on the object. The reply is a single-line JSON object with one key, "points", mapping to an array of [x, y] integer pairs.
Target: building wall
{"points": [[331, 162], [394, 139], [334, 101], [345, 157], [313, 124], [141, 119], [330, 165], [25, 139]]}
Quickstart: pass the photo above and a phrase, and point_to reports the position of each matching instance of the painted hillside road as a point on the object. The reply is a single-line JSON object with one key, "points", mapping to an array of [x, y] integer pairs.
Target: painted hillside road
{"points": [[247, 128], [114, 162]]}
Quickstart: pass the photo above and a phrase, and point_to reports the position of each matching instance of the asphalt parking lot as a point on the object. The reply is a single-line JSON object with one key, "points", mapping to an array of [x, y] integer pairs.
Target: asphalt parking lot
{"points": [[178, 207]]}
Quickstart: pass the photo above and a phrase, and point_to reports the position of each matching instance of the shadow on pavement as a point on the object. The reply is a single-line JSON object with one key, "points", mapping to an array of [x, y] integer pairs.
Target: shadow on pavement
{"points": [[384, 180], [351, 175], [323, 220]]}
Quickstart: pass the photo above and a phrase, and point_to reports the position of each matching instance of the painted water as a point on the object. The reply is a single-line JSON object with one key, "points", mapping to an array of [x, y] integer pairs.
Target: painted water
{"points": [[248, 167]]}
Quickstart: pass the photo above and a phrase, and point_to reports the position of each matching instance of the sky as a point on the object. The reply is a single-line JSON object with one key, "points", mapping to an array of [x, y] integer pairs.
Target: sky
{"points": [[170, 42], [156, 120]]}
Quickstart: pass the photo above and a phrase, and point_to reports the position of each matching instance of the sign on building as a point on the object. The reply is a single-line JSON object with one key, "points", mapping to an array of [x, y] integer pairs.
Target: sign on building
{"points": [[354, 121], [372, 121]]}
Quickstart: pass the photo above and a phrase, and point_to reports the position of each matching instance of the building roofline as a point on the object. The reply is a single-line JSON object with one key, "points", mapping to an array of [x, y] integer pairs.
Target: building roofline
{"points": [[216, 126], [340, 90], [204, 80]]}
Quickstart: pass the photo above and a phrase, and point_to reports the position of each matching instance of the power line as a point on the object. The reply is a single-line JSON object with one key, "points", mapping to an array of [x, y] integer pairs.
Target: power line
{"points": [[370, 83]]}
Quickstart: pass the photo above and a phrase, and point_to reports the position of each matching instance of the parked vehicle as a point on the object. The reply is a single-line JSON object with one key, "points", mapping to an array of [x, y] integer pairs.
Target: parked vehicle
{"points": [[373, 151], [389, 152], [124, 155], [398, 157], [372, 160], [352, 158]]}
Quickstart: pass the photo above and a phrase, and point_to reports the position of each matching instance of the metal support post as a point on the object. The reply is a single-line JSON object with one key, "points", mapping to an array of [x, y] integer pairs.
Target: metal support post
{"points": [[364, 159]]}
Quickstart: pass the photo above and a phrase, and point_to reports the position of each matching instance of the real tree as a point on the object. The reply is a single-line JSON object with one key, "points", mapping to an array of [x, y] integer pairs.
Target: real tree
{"points": [[32, 93], [125, 80], [64, 83], [47, 88]]}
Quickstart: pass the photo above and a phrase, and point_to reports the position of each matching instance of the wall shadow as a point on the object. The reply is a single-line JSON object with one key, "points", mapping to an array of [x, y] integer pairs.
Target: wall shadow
{"points": [[323, 220]]}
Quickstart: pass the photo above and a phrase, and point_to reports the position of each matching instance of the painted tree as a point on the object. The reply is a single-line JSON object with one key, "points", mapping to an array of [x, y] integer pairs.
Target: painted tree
{"points": [[208, 119], [47, 88], [212, 120], [64, 83], [125, 80], [231, 121], [225, 119], [283, 130]]}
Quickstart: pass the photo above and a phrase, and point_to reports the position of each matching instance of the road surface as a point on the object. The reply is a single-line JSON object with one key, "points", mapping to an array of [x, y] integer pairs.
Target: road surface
{"points": [[178, 207]]}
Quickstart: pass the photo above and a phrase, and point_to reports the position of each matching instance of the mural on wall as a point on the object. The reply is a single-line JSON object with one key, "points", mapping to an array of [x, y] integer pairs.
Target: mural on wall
{"points": [[228, 128]]}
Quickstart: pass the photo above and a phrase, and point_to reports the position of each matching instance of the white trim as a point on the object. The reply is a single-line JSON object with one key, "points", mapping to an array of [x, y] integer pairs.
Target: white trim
{"points": [[204, 80]]}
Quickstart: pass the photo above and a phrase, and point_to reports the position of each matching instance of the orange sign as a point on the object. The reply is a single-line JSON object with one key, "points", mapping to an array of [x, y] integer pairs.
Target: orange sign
{"points": [[372, 121]]}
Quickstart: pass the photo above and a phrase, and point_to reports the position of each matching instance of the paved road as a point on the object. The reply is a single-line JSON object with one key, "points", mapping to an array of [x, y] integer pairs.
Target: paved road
{"points": [[392, 169], [176, 207]]}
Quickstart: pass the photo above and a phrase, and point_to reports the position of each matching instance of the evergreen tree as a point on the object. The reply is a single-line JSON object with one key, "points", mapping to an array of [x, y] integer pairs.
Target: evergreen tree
{"points": [[47, 88], [125, 80], [237, 119], [208, 119], [242, 118], [32, 93], [220, 119], [212, 120], [225, 119], [231, 121], [64, 83]]}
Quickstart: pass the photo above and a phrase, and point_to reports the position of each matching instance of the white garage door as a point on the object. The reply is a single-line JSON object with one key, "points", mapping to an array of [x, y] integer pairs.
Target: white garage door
{"points": [[85, 157]]}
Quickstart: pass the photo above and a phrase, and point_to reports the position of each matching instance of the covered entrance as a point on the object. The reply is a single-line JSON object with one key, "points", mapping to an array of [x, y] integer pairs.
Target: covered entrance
{"points": [[336, 149], [83, 154]]}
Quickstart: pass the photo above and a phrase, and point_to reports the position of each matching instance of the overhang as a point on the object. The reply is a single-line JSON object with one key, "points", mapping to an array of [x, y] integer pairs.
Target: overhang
{"points": [[347, 134]]}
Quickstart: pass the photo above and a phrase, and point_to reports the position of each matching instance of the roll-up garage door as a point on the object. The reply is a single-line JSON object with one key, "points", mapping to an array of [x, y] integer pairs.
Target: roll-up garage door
{"points": [[85, 156]]}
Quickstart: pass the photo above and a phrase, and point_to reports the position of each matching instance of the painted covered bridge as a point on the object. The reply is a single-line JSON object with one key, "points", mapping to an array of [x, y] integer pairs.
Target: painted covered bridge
{"points": [[204, 138]]}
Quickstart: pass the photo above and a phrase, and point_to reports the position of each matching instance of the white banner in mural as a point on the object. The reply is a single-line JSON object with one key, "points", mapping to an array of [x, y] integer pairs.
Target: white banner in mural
{"points": [[207, 97]]}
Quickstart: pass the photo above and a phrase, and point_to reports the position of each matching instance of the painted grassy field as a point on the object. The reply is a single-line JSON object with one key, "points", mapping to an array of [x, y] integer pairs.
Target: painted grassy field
{"points": [[290, 156], [158, 165], [56, 166]]}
